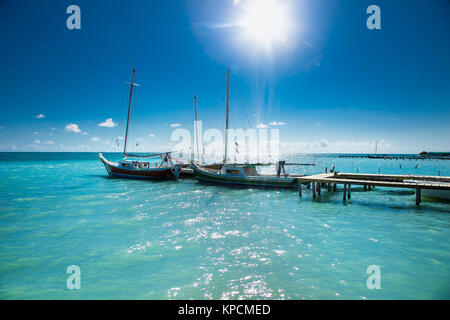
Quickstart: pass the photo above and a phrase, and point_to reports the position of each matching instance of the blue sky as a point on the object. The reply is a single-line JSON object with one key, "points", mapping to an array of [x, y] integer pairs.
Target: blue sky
{"points": [[334, 85]]}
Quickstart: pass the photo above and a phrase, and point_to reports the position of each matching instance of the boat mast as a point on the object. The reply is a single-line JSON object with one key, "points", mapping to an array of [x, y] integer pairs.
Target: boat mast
{"points": [[128, 117], [195, 124], [227, 111]]}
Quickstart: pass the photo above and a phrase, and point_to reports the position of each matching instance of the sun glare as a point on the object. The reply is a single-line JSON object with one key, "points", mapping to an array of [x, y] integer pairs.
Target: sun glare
{"points": [[266, 22]]}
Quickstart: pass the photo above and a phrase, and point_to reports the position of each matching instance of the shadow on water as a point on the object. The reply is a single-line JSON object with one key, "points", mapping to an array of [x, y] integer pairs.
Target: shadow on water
{"points": [[104, 176], [112, 178], [243, 186]]}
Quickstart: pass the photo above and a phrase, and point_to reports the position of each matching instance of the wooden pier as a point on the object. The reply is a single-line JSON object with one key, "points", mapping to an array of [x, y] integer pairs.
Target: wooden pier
{"points": [[187, 173], [330, 180]]}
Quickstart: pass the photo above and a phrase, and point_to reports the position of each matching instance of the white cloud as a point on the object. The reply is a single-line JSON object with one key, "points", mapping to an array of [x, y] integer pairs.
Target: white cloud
{"points": [[261, 125], [151, 135], [84, 132], [173, 125], [11, 146], [50, 142], [40, 116], [72, 127], [35, 132], [279, 123], [95, 139], [37, 141], [108, 123]]}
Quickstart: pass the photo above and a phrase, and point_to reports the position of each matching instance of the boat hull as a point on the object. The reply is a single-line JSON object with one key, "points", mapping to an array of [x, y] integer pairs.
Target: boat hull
{"points": [[436, 194], [262, 182], [150, 174]]}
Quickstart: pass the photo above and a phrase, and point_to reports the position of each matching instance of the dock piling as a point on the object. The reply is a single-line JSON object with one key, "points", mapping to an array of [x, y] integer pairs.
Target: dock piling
{"points": [[313, 187], [349, 191], [418, 196], [299, 189], [345, 189]]}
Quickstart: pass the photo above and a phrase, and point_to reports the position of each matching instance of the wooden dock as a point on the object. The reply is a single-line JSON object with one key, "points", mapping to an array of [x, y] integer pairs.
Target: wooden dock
{"points": [[330, 180], [187, 173]]}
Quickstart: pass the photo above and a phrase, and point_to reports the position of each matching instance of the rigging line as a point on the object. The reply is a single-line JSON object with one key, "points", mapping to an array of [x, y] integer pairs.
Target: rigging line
{"points": [[240, 98], [211, 118]]}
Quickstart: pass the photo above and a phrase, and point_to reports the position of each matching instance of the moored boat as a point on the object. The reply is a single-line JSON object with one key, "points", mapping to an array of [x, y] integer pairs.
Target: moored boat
{"points": [[436, 194], [242, 174], [132, 165], [132, 168]]}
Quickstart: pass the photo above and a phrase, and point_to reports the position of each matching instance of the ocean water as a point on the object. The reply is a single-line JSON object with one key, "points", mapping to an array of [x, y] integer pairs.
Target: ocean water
{"points": [[137, 239]]}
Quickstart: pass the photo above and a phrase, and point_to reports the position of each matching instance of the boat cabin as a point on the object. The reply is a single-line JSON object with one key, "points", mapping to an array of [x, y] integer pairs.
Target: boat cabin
{"points": [[135, 164], [239, 170]]}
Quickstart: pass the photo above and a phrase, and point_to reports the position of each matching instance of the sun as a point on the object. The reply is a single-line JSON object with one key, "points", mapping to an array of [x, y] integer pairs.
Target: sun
{"points": [[266, 22]]}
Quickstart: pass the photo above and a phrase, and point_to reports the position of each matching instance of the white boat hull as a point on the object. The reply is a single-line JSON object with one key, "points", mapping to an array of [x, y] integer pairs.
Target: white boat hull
{"points": [[436, 194]]}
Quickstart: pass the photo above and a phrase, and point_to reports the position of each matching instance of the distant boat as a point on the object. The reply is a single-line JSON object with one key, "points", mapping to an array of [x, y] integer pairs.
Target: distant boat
{"points": [[131, 167], [242, 174]]}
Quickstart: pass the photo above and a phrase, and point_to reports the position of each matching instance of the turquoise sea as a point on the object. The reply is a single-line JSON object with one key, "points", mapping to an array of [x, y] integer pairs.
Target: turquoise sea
{"points": [[180, 239]]}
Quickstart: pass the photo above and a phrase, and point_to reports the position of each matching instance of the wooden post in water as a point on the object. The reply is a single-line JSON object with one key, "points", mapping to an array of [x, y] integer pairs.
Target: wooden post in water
{"points": [[308, 185], [349, 191], [365, 187], [299, 189], [319, 185], [345, 188], [334, 187], [418, 196], [313, 187]]}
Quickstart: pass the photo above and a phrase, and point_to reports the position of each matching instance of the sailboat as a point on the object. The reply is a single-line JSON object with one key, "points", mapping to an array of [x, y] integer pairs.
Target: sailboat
{"points": [[242, 174], [133, 165]]}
